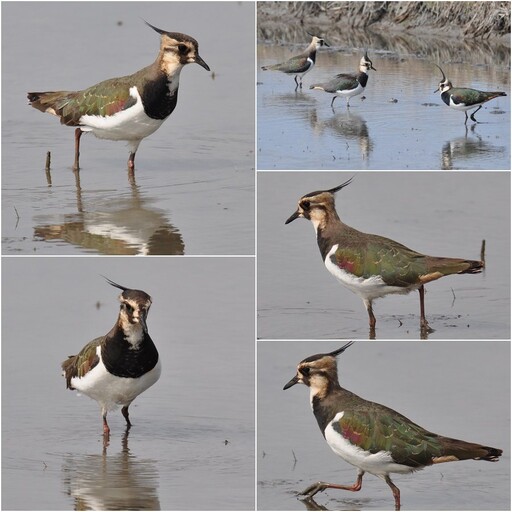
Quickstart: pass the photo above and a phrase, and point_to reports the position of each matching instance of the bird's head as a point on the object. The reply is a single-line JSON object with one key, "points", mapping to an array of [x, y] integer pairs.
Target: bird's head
{"points": [[177, 50], [317, 206], [318, 372]]}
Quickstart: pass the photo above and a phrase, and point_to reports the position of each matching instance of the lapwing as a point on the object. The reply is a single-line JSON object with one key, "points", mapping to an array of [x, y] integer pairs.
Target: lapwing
{"points": [[130, 107], [463, 98], [373, 438], [347, 84], [373, 266], [116, 368], [301, 64]]}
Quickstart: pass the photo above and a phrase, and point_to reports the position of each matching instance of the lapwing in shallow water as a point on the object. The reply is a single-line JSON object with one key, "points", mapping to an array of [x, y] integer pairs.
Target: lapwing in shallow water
{"points": [[370, 265], [463, 98], [116, 368], [373, 438], [347, 84], [128, 108], [301, 64]]}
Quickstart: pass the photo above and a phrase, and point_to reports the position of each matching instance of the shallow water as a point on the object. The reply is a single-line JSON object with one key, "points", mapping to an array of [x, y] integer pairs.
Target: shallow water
{"points": [[194, 182], [400, 125], [447, 390], [440, 214], [192, 441]]}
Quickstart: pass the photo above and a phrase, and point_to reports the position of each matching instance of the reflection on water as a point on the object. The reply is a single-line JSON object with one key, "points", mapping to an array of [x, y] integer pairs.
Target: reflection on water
{"points": [[111, 482], [461, 151], [348, 128], [122, 226], [311, 504]]}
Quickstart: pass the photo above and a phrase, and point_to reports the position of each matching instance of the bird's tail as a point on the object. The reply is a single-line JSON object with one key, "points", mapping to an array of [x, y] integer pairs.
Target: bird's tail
{"points": [[52, 101], [473, 267], [438, 267], [454, 449], [67, 370]]}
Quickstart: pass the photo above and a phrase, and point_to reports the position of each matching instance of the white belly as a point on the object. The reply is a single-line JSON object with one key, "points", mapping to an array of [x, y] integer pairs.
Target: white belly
{"points": [[379, 464], [131, 124], [368, 288], [463, 106], [351, 92], [111, 391]]}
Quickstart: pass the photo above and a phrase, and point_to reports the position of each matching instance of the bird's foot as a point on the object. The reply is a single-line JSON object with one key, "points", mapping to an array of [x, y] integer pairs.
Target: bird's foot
{"points": [[313, 489], [425, 328]]}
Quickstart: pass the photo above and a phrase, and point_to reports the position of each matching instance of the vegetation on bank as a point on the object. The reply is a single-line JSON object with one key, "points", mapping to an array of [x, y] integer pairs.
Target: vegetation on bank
{"points": [[480, 19]]}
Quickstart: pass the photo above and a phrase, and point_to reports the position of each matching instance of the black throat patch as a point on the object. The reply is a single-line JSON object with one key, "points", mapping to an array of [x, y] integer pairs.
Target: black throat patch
{"points": [[158, 103], [121, 360]]}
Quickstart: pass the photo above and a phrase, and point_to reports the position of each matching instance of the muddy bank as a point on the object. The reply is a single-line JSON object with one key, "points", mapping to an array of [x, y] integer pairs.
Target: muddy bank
{"points": [[469, 20]]}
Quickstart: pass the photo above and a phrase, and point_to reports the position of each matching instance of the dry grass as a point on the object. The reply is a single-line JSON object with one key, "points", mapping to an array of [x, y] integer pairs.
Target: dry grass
{"points": [[472, 19]]}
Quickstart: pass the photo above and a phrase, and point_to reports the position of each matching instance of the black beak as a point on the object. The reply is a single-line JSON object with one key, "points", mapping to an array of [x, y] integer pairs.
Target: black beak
{"points": [[291, 383], [202, 63], [292, 217]]}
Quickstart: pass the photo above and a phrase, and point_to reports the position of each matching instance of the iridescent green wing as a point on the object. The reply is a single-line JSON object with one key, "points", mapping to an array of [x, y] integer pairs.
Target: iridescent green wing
{"points": [[379, 256], [83, 362], [104, 99], [376, 428]]}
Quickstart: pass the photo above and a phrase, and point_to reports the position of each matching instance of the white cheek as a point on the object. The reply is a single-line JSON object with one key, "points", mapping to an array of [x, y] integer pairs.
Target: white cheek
{"points": [[316, 223]]}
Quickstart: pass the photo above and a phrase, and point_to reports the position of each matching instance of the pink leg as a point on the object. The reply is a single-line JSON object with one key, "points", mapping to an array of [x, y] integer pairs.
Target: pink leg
{"points": [[423, 321], [395, 490], [131, 162]]}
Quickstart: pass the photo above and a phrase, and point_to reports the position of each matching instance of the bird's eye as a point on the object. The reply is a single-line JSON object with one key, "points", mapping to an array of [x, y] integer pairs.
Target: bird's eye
{"points": [[305, 370], [182, 48], [305, 205], [128, 307]]}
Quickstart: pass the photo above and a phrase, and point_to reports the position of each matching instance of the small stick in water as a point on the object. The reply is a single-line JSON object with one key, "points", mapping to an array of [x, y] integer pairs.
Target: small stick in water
{"points": [[482, 252]]}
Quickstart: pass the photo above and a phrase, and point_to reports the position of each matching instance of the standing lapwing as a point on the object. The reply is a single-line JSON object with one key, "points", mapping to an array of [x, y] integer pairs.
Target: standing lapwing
{"points": [[347, 84], [373, 438], [116, 368], [130, 107], [463, 98], [301, 64], [372, 266]]}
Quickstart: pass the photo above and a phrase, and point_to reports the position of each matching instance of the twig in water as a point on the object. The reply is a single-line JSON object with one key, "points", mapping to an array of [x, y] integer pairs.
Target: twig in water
{"points": [[47, 169], [482, 252], [17, 217], [294, 460]]}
